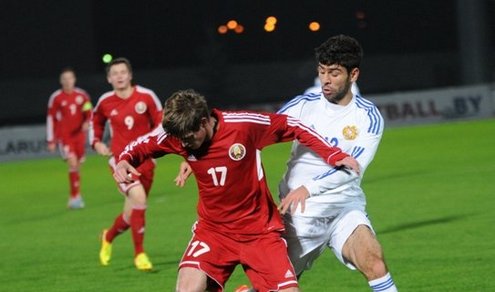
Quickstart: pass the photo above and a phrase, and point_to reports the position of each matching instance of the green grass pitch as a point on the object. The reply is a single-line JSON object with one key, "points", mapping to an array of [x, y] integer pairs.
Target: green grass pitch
{"points": [[430, 195]]}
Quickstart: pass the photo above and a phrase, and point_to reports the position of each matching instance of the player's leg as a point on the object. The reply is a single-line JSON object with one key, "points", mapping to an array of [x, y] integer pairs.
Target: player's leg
{"points": [[135, 208], [191, 280], [307, 238], [120, 224], [359, 248], [208, 261], [73, 163], [267, 265]]}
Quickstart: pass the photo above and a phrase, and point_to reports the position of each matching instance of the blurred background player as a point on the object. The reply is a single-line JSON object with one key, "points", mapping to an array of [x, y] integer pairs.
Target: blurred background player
{"points": [[334, 214], [69, 112], [131, 111], [238, 222]]}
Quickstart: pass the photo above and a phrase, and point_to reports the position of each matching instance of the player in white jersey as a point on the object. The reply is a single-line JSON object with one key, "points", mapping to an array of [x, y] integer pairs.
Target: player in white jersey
{"points": [[324, 206]]}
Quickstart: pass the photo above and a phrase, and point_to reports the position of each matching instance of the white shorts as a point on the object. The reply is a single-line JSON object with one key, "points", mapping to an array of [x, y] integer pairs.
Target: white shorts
{"points": [[307, 237]]}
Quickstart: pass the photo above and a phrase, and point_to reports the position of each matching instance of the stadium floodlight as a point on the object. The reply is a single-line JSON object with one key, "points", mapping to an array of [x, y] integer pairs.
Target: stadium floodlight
{"points": [[107, 58]]}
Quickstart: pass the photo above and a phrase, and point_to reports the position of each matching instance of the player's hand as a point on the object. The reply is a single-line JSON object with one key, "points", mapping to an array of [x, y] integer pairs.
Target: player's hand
{"points": [[293, 199], [102, 149], [51, 146], [349, 162], [85, 126], [124, 172], [185, 171]]}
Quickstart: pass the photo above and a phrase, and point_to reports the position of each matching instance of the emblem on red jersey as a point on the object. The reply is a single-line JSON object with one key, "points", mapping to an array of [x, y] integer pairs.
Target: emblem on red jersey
{"points": [[79, 99], [350, 132], [237, 151], [140, 107]]}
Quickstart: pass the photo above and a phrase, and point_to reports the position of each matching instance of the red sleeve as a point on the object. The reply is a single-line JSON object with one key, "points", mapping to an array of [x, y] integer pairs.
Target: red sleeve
{"points": [[87, 108], [283, 128], [155, 110], [97, 125], [152, 145], [51, 120]]}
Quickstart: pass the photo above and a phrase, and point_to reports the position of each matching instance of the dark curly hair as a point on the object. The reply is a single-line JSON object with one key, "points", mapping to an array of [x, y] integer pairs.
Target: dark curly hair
{"points": [[340, 50]]}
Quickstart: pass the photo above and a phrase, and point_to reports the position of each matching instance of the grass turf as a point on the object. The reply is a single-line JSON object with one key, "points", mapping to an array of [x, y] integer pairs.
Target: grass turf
{"points": [[429, 195]]}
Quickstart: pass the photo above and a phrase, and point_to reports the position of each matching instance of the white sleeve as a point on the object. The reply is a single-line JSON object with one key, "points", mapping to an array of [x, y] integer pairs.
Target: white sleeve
{"points": [[363, 151], [330, 180], [292, 108]]}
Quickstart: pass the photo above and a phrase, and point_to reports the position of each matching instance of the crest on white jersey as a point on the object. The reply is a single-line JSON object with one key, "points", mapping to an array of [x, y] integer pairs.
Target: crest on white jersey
{"points": [[140, 107], [79, 99], [350, 132], [237, 151]]}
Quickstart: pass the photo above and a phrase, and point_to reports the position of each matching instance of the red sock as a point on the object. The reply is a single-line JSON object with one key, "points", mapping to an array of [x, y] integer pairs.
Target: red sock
{"points": [[119, 226], [74, 183], [137, 227]]}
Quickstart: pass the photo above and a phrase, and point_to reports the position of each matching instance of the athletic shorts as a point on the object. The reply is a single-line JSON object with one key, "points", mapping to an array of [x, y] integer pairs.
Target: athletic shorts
{"points": [[263, 258], [73, 147], [147, 170], [307, 237]]}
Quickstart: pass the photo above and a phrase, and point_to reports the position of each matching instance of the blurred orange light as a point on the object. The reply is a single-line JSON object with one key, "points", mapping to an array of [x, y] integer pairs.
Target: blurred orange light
{"points": [[271, 20], [239, 29], [360, 14], [314, 26], [232, 24], [269, 27], [222, 29]]}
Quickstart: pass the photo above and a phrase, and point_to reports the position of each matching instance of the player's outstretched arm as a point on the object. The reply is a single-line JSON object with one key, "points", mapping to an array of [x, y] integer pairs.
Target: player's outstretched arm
{"points": [[124, 172]]}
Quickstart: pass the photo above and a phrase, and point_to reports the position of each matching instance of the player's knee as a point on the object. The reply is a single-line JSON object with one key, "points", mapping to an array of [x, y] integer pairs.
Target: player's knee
{"points": [[73, 163], [186, 287], [375, 266], [191, 280]]}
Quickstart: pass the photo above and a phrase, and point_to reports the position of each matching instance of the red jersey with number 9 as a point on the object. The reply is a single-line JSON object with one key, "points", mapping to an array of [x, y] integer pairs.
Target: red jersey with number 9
{"points": [[128, 118]]}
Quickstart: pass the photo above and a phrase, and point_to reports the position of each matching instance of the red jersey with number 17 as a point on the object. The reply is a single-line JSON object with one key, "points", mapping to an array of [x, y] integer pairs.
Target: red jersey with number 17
{"points": [[233, 194], [128, 118]]}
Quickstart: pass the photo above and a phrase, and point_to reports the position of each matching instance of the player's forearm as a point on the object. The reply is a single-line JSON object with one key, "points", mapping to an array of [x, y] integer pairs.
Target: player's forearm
{"points": [[330, 180], [138, 151], [50, 133], [96, 129], [315, 142]]}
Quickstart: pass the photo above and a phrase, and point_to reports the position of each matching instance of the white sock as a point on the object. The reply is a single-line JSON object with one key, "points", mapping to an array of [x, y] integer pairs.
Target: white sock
{"points": [[383, 284]]}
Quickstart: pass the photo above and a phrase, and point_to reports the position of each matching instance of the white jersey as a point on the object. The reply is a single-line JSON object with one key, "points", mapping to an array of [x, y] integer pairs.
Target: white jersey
{"points": [[355, 128]]}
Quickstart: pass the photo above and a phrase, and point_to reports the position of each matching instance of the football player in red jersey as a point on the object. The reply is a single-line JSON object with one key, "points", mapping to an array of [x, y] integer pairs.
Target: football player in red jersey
{"points": [[238, 221], [69, 111], [131, 111]]}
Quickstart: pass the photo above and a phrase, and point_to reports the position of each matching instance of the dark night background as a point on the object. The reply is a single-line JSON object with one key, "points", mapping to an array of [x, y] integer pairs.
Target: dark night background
{"points": [[174, 44]]}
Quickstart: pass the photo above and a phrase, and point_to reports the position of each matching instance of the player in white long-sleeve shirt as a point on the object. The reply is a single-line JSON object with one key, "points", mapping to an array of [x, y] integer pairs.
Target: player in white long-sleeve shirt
{"points": [[325, 207]]}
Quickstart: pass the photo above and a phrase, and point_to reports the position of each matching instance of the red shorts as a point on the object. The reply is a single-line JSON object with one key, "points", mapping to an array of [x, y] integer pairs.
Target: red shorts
{"points": [[263, 257], [147, 170], [72, 147]]}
